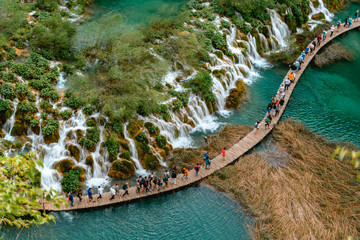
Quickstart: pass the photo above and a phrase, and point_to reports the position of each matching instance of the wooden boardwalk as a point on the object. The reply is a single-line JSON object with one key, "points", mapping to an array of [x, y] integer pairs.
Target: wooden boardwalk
{"points": [[232, 154]]}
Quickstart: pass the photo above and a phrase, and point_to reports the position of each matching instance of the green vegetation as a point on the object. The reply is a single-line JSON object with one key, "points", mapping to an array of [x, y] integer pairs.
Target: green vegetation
{"points": [[92, 137], [51, 127], [112, 144], [70, 181], [19, 175], [202, 84]]}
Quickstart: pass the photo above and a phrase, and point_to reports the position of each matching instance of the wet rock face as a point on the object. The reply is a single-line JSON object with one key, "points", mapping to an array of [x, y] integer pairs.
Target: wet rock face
{"points": [[236, 94], [64, 165], [318, 16], [333, 53], [19, 129], [53, 138], [74, 151], [121, 169]]}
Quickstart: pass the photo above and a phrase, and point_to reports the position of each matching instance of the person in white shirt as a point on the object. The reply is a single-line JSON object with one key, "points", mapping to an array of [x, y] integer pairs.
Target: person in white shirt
{"points": [[287, 84], [282, 95], [100, 191], [112, 191], [282, 88], [332, 30]]}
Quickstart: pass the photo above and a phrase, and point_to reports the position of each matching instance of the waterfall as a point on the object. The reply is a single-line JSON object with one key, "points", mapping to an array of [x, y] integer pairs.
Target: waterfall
{"points": [[320, 9], [278, 28], [133, 152], [9, 124]]}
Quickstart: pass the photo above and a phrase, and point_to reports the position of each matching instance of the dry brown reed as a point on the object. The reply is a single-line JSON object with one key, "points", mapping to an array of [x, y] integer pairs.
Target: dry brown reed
{"points": [[312, 197]]}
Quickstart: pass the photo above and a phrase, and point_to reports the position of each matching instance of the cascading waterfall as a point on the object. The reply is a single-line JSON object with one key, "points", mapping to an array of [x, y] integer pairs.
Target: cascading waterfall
{"points": [[133, 152], [320, 9], [279, 29], [9, 124]]}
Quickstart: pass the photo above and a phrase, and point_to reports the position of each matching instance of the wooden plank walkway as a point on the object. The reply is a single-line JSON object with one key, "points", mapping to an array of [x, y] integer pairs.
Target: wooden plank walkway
{"points": [[232, 154]]}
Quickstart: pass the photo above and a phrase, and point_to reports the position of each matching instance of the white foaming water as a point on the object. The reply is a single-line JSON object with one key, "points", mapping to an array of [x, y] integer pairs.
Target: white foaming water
{"points": [[278, 28], [320, 9], [133, 152], [9, 124]]}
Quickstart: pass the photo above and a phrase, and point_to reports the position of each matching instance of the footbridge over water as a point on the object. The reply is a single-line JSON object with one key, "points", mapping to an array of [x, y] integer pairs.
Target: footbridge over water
{"points": [[232, 154]]}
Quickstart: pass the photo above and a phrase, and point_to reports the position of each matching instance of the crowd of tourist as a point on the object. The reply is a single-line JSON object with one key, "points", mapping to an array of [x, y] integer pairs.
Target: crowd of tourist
{"points": [[151, 183]]}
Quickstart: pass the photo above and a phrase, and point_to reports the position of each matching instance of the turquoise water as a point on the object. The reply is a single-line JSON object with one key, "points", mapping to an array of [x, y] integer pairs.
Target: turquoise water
{"points": [[326, 99], [197, 212]]}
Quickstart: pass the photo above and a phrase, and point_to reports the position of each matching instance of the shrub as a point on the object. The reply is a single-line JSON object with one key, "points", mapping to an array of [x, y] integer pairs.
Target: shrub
{"points": [[88, 109], [112, 145], [34, 123], [161, 141], [51, 127], [72, 100], [68, 69], [26, 107], [141, 137], [66, 114], [4, 105], [11, 54], [7, 90], [8, 76], [70, 181], [22, 88], [90, 122], [225, 24], [201, 85], [50, 92], [53, 37], [92, 137]]}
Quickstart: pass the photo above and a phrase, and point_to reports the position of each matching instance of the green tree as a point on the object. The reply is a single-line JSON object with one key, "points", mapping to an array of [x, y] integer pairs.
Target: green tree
{"points": [[20, 192]]}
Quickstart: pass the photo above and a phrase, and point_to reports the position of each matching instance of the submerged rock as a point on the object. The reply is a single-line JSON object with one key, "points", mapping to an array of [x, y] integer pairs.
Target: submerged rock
{"points": [[121, 169], [236, 94], [333, 53]]}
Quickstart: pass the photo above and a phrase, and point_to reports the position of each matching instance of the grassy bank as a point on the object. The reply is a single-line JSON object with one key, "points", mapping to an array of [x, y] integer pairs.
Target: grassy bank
{"points": [[310, 197]]}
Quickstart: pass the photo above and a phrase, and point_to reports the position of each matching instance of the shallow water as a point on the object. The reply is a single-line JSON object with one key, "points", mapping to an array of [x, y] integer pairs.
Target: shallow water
{"points": [[198, 212]]}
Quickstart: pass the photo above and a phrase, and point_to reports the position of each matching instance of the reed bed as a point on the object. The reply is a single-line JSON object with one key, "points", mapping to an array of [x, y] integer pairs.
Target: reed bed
{"points": [[311, 197]]}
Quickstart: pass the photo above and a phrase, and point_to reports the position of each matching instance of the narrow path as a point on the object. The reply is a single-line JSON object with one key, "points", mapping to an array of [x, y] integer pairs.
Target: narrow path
{"points": [[232, 154]]}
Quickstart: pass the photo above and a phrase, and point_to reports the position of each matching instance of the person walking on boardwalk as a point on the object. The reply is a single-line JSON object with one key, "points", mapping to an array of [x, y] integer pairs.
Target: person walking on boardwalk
{"points": [[281, 103], [287, 84], [100, 191], [332, 30], [319, 40], [257, 126], [173, 176], [356, 16], [166, 179], [268, 109], [146, 185], [207, 162], [138, 185], [338, 24], [307, 50], [297, 64], [71, 198], [291, 77], [90, 193], [79, 195], [126, 189], [282, 95], [267, 122], [346, 21], [350, 21], [116, 188], [112, 192], [186, 172], [223, 153], [324, 35], [197, 169], [282, 88], [314, 43]]}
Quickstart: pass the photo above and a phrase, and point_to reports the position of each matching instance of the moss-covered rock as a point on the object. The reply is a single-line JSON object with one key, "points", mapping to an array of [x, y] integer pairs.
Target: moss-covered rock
{"points": [[134, 128], [18, 129], [121, 169], [64, 165], [19, 142], [89, 161], [150, 161], [52, 138], [5, 115], [82, 173], [318, 16], [219, 54], [236, 94], [74, 151]]}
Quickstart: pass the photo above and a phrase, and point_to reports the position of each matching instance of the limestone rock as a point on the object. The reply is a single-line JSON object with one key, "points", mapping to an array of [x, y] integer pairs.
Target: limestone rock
{"points": [[236, 94], [121, 169]]}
